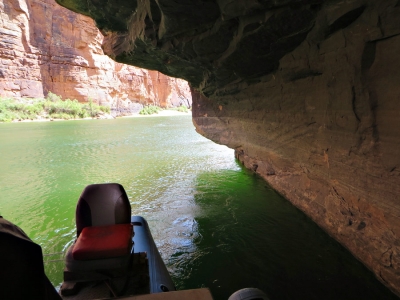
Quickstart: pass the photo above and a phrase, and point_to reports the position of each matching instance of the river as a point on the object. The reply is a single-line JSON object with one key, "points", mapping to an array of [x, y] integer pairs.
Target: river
{"points": [[216, 224]]}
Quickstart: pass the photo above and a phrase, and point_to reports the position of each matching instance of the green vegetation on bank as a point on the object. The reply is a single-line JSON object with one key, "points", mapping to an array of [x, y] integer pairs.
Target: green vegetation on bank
{"points": [[182, 108], [153, 109], [150, 110], [52, 107]]}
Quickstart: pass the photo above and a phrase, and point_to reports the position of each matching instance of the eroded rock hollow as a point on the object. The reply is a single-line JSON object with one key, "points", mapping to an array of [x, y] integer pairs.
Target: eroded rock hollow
{"points": [[306, 91]]}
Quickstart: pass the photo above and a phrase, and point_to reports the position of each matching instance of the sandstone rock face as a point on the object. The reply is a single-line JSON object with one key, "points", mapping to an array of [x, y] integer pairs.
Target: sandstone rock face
{"points": [[45, 47], [305, 91]]}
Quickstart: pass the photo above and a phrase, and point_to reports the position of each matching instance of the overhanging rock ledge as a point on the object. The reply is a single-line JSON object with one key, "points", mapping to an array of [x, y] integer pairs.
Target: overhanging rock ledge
{"points": [[306, 91]]}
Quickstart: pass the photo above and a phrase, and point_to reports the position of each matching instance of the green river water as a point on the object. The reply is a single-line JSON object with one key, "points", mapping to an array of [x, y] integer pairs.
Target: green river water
{"points": [[216, 224]]}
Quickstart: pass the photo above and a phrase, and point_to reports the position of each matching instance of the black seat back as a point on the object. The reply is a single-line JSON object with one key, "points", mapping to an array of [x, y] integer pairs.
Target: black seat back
{"points": [[102, 204]]}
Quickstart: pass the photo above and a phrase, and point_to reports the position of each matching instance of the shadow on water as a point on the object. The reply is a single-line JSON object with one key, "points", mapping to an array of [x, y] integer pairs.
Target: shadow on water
{"points": [[215, 224], [247, 235]]}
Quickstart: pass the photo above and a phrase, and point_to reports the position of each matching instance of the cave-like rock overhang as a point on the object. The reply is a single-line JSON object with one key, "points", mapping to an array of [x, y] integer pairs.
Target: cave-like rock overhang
{"points": [[305, 91]]}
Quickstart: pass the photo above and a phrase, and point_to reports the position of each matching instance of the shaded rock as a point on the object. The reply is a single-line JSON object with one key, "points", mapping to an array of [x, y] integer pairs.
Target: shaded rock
{"points": [[307, 91]]}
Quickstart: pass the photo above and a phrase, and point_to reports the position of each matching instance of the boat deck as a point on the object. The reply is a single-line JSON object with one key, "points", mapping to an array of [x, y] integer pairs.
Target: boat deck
{"points": [[197, 294], [135, 282]]}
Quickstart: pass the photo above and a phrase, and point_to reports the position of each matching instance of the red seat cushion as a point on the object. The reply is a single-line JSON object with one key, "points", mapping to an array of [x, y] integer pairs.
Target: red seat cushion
{"points": [[99, 242]]}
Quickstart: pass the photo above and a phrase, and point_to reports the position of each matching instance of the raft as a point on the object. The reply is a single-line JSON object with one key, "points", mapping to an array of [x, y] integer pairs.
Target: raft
{"points": [[113, 256]]}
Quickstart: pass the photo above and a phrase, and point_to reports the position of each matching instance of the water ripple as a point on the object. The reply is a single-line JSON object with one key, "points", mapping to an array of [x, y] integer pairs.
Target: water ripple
{"points": [[215, 224]]}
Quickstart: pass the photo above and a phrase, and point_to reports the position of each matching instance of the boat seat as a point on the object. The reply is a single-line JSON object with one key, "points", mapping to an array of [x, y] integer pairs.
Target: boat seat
{"points": [[104, 230], [98, 242]]}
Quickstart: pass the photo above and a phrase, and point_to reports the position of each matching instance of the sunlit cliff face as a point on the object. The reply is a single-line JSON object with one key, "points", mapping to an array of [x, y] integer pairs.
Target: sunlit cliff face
{"points": [[306, 92], [47, 48]]}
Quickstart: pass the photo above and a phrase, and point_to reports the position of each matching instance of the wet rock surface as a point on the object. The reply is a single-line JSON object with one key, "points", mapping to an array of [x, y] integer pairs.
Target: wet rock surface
{"points": [[306, 92]]}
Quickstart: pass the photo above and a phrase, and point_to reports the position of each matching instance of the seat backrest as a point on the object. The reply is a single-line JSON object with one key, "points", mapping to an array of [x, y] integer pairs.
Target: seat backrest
{"points": [[102, 204]]}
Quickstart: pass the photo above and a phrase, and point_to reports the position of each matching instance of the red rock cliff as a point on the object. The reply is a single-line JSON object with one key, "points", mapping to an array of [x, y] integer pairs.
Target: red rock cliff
{"points": [[47, 48], [305, 91]]}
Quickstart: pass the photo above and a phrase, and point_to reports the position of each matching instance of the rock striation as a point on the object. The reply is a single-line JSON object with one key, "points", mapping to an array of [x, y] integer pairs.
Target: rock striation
{"points": [[47, 48], [305, 91]]}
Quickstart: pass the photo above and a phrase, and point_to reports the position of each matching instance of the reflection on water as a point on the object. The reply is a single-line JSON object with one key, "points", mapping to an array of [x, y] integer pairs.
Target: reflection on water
{"points": [[249, 236], [215, 224]]}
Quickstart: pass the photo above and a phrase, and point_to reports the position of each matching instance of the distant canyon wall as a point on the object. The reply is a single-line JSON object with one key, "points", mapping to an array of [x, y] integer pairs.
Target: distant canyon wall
{"points": [[47, 48]]}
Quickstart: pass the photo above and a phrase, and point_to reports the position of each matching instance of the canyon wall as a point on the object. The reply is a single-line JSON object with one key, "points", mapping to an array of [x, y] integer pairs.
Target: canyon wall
{"points": [[305, 91], [324, 129], [47, 48]]}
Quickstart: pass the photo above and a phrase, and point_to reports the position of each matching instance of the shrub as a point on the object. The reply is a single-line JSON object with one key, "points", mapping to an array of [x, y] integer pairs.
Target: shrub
{"points": [[105, 109], [53, 97], [4, 104], [150, 110], [63, 116], [92, 109], [52, 106], [84, 114], [15, 106], [11, 109], [34, 108], [7, 116], [182, 108]]}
